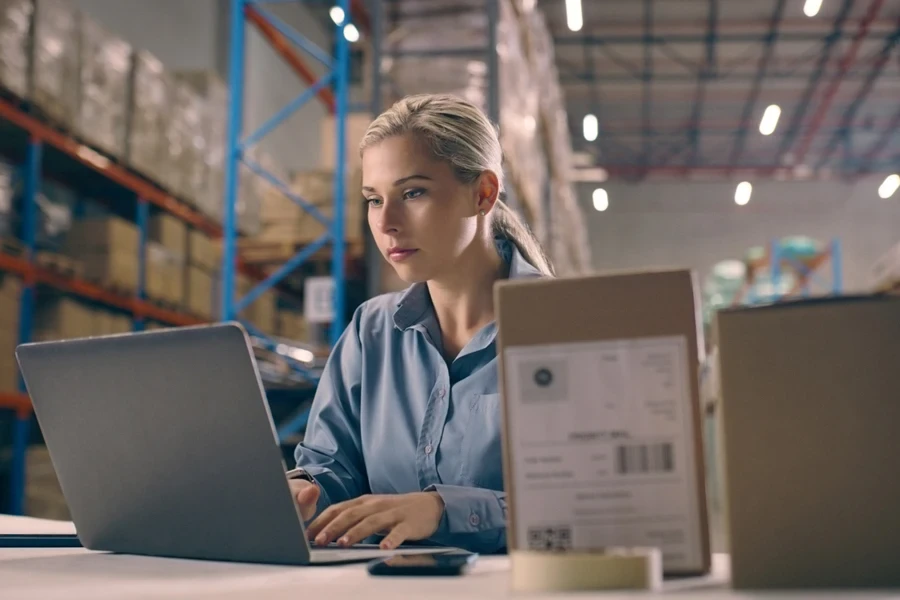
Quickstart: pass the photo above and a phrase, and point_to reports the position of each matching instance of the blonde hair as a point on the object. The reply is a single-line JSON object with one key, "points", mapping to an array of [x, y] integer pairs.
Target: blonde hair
{"points": [[461, 134]]}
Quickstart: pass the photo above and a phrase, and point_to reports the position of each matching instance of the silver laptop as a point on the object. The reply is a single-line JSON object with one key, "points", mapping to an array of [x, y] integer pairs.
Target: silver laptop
{"points": [[164, 445]]}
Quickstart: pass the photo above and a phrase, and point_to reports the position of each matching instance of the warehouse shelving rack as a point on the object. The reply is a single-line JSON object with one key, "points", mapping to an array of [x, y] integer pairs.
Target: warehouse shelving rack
{"points": [[332, 89]]}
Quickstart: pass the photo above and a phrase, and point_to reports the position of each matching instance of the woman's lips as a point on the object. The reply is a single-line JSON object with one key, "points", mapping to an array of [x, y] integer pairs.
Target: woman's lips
{"points": [[400, 254]]}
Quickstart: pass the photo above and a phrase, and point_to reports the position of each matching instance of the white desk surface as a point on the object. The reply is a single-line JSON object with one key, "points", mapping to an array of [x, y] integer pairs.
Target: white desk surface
{"points": [[68, 574]]}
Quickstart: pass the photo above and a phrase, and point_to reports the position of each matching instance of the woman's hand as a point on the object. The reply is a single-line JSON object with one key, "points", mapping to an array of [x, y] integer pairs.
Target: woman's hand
{"points": [[306, 495], [402, 517]]}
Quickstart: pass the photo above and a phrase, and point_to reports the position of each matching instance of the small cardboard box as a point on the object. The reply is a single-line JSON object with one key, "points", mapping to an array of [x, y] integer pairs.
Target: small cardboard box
{"points": [[810, 424], [107, 235], [171, 233], [199, 292], [62, 319], [601, 431], [202, 251]]}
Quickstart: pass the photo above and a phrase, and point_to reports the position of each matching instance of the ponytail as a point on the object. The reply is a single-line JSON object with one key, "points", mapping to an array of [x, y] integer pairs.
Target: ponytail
{"points": [[507, 225]]}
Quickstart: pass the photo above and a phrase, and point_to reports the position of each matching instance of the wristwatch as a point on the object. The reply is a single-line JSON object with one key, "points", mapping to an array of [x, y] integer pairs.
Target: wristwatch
{"points": [[299, 473]]}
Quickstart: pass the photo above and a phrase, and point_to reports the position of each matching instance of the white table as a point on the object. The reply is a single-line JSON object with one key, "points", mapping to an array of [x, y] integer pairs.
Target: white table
{"points": [[68, 574]]}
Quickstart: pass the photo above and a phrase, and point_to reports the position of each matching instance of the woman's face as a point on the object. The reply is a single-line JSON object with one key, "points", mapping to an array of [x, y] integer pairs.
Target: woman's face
{"points": [[421, 216]]}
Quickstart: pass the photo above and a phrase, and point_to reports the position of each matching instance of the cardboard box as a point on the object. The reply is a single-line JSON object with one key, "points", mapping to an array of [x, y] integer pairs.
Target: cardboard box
{"points": [[292, 325], [115, 270], [10, 301], [62, 319], [199, 292], [602, 437], [810, 427], [103, 235], [284, 220], [202, 251], [355, 125], [165, 278], [171, 233], [9, 370]]}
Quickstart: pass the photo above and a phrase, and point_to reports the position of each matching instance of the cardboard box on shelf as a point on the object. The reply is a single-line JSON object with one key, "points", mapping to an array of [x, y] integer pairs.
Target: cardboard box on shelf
{"points": [[54, 62], [10, 299], [262, 312], [603, 391], [15, 37], [171, 233], [62, 318], [117, 271], [149, 115], [810, 422], [164, 275], [355, 128], [103, 234], [9, 370], [886, 271], [202, 251], [43, 495], [199, 292], [292, 325], [284, 220]]}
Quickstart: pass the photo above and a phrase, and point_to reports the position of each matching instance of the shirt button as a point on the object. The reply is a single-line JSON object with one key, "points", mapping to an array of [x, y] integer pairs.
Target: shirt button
{"points": [[474, 520], [441, 393], [428, 449]]}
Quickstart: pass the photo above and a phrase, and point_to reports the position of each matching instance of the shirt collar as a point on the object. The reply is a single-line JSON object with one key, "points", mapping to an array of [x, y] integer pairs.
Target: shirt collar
{"points": [[414, 305]]}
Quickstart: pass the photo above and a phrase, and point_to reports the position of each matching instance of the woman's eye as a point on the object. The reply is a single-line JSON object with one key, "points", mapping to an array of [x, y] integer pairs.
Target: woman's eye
{"points": [[413, 194], [373, 201]]}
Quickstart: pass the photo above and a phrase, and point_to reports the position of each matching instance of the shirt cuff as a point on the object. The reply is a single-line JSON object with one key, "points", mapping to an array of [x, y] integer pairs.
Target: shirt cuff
{"points": [[474, 518]]}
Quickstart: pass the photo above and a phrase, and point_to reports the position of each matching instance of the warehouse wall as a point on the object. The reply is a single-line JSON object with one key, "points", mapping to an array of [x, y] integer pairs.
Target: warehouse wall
{"points": [[697, 224], [193, 34]]}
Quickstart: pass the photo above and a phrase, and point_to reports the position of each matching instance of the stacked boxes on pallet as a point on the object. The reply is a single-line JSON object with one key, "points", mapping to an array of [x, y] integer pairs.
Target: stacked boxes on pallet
{"points": [[151, 89], [104, 69], [108, 248], [166, 258], [54, 62], [10, 294], [201, 271], [64, 318], [15, 33]]}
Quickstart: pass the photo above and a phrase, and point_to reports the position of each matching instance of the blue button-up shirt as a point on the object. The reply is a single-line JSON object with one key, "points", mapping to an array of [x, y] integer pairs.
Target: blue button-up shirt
{"points": [[390, 416]]}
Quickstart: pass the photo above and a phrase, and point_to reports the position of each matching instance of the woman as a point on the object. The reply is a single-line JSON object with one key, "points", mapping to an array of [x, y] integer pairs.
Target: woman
{"points": [[404, 433]]}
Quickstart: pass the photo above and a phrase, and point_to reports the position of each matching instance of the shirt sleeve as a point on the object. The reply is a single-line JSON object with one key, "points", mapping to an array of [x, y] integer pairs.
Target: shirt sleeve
{"points": [[474, 518], [331, 450]]}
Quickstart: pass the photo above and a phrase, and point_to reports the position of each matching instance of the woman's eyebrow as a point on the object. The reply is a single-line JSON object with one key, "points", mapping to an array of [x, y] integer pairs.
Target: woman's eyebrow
{"points": [[401, 181]]}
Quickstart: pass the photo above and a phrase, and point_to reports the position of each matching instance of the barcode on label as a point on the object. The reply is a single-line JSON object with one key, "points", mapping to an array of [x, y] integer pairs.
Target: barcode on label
{"points": [[550, 538], [645, 458]]}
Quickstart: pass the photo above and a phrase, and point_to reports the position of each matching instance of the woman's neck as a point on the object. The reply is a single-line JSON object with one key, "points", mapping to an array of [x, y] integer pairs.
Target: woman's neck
{"points": [[464, 300]]}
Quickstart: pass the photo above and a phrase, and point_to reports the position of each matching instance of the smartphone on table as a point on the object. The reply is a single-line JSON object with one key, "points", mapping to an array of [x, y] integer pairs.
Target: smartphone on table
{"points": [[437, 564]]}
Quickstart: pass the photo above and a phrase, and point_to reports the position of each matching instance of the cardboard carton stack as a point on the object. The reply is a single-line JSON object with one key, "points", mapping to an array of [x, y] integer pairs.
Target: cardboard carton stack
{"points": [[166, 258], [202, 270], [285, 221], [54, 61], [103, 92], [64, 318], [15, 32], [149, 116], [10, 294], [292, 325], [108, 247]]}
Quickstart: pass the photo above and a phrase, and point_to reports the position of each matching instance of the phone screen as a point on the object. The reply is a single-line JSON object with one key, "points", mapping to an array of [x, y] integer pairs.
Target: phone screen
{"points": [[447, 563]]}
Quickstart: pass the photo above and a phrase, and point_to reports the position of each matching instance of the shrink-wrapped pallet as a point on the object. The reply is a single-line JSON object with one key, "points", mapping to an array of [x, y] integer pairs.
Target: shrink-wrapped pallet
{"points": [[149, 116], [54, 65], [104, 76], [15, 33]]}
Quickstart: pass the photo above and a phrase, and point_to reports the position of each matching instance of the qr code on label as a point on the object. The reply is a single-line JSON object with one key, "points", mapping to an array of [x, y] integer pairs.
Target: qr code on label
{"points": [[550, 538]]}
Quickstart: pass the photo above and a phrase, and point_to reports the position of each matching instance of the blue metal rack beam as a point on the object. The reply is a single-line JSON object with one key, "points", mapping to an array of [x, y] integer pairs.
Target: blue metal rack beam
{"points": [[237, 145]]}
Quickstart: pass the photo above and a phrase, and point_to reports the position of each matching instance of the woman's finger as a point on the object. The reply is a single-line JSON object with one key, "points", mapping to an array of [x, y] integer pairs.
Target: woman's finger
{"points": [[398, 534], [342, 522], [367, 527]]}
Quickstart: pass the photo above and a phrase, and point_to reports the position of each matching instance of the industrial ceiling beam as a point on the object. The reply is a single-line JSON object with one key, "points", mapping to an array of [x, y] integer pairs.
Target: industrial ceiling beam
{"points": [[861, 96], [888, 133], [646, 89], [812, 84], [846, 64], [761, 68], [700, 37], [706, 72]]}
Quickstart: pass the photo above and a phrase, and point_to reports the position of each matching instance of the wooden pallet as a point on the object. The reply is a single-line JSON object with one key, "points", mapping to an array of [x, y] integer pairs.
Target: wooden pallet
{"points": [[59, 263], [260, 251]]}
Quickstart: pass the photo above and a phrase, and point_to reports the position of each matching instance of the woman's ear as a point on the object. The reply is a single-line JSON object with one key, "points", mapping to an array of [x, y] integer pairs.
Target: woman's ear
{"points": [[487, 189]]}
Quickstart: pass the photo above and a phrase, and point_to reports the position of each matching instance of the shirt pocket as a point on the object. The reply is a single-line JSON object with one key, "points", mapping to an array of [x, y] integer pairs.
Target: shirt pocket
{"points": [[482, 450]]}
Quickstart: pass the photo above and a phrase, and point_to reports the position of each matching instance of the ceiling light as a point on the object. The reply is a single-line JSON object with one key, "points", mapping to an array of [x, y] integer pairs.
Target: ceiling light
{"points": [[574, 18], [351, 33], [742, 193], [337, 14], [811, 7], [890, 185], [591, 128], [601, 199], [770, 119]]}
